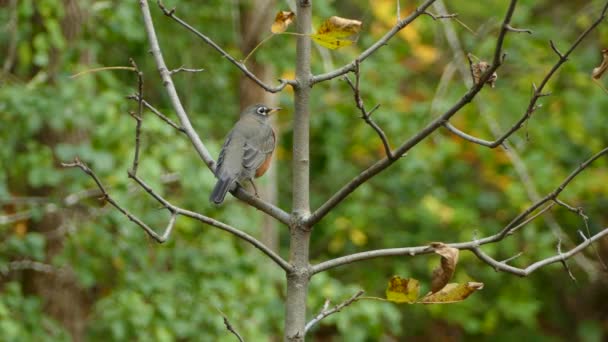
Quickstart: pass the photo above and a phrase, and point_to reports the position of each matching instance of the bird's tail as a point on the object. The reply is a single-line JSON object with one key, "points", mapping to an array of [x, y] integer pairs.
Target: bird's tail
{"points": [[219, 192]]}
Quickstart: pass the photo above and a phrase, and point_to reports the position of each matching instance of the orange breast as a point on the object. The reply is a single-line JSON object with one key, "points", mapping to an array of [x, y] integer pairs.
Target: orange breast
{"points": [[264, 167]]}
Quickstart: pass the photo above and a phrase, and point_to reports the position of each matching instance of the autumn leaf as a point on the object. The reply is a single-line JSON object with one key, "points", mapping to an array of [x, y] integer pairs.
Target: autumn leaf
{"points": [[282, 21], [402, 290], [451, 293], [445, 271], [478, 68], [337, 32]]}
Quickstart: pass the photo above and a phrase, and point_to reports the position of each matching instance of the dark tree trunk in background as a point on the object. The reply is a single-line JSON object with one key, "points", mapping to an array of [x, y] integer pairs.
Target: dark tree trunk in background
{"points": [[255, 19]]}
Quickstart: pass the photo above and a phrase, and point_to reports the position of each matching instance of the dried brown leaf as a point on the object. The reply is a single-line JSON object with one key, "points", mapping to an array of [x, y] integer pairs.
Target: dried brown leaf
{"points": [[599, 71], [442, 274], [282, 21], [478, 68]]}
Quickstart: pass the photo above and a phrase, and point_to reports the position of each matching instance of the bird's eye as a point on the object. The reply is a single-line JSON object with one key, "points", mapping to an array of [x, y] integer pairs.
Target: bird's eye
{"points": [[262, 110]]}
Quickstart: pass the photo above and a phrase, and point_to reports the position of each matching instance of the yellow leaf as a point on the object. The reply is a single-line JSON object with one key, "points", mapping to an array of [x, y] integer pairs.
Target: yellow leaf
{"points": [[282, 21], [442, 211], [358, 237], [402, 290], [443, 273], [337, 32], [451, 293]]}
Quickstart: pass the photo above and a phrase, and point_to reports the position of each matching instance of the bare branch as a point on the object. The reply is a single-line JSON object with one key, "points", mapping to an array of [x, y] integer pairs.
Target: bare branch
{"points": [[516, 223], [365, 115], [175, 211], [564, 263], [138, 116], [555, 49], [523, 272], [231, 328], [325, 311], [200, 148], [171, 91], [422, 134], [377, 45], [520, 167], [537, 94], [241, 66], [157, 113], [106, 196]]}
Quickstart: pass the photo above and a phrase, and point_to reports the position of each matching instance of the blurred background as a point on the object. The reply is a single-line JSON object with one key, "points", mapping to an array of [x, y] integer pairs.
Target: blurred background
{"points": [[72, 268]]}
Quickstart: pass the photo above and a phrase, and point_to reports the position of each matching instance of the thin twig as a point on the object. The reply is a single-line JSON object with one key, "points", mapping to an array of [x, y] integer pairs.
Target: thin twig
{"points": [[564, 263], [231, 328], [581, 213], [241, 66], [157, 113], [326, 312], [138, 116], [365, 115], [183, 69], [512, 258], [517, 30], [440, 16], [88, 71]]}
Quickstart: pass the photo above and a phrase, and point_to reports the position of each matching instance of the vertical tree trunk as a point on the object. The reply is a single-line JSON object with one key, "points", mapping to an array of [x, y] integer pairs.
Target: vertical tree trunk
{"points": [[255, 19], [297, 281]]}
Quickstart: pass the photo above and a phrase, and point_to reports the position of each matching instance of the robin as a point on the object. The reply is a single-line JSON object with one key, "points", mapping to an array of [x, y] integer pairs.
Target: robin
{"points": [[247, 151]]}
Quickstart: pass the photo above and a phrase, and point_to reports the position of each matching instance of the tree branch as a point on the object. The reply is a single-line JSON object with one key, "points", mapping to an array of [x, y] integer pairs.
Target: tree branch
{"points": [[377, 45], [138, 116], [325, 311], [520, 167], [175, 211], [231, 328], [538, 91], [241, 66], [157, 113], [200, 148], [421, 135], [516, 223]]}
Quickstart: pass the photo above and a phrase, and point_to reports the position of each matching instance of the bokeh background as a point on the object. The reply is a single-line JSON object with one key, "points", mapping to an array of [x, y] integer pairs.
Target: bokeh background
{"points": [[72, 268]]}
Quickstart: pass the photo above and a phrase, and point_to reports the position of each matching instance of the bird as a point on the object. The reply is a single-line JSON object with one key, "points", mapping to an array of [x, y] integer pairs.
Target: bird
{"points": [[246, 152]]}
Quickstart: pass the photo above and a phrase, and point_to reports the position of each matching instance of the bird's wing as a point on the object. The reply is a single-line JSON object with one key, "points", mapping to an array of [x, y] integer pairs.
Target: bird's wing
{"points": [[256, 152], [222, 156]]}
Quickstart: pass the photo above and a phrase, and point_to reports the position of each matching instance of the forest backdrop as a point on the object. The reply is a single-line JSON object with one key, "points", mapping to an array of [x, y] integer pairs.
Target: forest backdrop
{"points": [[71, 267]]}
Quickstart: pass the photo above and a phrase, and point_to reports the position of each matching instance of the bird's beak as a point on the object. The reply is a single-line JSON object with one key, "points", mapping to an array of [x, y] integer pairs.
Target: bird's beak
{"points": [[272, 110]]}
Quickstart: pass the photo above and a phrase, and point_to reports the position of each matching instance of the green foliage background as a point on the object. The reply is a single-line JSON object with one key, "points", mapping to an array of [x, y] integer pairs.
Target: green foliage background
{"points": [[127, 287]]}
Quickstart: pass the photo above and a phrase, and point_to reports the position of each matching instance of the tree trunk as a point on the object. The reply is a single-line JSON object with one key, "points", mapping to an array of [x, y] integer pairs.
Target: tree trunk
{"points": [[297, 281]]}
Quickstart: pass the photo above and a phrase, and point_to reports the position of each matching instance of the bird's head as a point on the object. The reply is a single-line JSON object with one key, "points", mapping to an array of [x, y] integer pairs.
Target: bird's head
{"points": [[260, 110]]}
